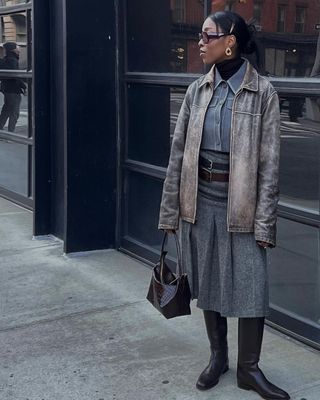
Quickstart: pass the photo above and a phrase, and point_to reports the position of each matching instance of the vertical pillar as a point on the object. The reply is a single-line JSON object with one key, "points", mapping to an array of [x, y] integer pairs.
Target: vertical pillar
{"points": [[41, 117], [75, 122], [57, 120], [90, 136]]}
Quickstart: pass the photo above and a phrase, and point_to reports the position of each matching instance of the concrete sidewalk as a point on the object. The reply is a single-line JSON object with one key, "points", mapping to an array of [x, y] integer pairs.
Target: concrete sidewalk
{"points": [[79, 327]]}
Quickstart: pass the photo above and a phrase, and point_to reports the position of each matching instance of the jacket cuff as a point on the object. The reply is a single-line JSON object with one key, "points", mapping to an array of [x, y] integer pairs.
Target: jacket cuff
{"points": [[168, 226], [261, 238]]}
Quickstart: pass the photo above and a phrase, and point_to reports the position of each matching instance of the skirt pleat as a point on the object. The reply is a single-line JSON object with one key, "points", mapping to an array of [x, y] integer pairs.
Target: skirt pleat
{"points": [[227, 271]]}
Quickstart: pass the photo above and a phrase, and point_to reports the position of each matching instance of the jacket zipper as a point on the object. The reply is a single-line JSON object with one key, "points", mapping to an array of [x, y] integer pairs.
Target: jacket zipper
{"points": [[198, 150]]}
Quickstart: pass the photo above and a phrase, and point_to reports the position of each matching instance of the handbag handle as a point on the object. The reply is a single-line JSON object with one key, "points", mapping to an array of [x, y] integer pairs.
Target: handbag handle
{"points": [[163, 253]]}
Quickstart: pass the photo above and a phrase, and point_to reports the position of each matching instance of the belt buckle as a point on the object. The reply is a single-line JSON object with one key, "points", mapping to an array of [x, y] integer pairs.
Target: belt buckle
{"points": [[210, 172], [211, 164]]}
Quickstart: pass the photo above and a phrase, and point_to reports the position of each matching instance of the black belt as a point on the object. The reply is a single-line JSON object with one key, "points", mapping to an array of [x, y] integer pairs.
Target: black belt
{"points": [[210, 176], [205, 170], [206, 163]]}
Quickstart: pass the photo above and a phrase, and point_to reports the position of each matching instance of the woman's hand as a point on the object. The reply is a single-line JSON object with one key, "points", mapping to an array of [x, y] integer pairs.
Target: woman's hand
{"points": [[263, 244], [170, 231]]}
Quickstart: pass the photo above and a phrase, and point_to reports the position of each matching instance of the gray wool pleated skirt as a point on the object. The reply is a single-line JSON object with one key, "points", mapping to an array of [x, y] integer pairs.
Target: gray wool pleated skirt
{"points": [[227, 271]]}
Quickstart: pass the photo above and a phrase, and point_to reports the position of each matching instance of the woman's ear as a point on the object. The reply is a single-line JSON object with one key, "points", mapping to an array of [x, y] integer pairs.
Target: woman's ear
{"points": [[231, 41]]}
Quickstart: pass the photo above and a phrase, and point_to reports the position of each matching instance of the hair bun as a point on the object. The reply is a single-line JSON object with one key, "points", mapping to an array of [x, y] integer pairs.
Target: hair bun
{"points": [[251, 28], [251, 47]]}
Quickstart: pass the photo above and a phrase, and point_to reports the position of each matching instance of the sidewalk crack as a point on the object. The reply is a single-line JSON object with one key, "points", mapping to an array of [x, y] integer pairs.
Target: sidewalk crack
{"points": [[306, 387], [71, 315]]}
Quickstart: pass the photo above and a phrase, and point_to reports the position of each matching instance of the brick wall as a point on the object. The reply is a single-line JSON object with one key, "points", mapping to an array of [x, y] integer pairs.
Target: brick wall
{"points": [[270, 11]]}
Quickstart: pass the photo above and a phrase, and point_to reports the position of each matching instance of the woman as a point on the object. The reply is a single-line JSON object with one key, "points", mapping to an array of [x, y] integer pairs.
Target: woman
{"points": [[222, 186]]}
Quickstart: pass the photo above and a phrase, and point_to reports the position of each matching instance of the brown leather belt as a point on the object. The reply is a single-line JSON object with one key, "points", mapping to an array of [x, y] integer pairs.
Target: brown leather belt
{"points": [[210, 176]]}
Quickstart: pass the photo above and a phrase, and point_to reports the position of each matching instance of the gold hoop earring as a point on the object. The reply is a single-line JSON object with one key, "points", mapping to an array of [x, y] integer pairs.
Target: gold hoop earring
{"points": [[228, 51]]}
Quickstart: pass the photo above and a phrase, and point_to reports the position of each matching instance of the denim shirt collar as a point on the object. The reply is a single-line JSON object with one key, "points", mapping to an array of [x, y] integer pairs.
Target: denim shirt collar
{"points": [[234, 81], [250, 80]]}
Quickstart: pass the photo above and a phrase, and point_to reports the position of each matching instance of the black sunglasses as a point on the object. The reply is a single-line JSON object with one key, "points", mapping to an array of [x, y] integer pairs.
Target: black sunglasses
{"points": [[206, 37]]}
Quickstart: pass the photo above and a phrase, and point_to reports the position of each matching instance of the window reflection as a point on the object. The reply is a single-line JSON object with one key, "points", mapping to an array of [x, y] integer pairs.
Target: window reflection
{"points": [[187, 18], [281, 18], [300, 150], [148, 117], [14, 166], [14, 106], [142, 212], [13, 36], [168, 43], [177, 96], [143, 202], [294, 268], [300, 19], [287, 34], [147, 104], [4, 3]]}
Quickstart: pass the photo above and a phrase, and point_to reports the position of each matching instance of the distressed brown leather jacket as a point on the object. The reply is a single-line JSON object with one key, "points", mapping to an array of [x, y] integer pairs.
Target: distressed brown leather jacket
{"points": [[253, 191]]}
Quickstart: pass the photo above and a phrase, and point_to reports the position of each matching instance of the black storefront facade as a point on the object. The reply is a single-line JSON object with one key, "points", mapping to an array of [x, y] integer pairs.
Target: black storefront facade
{"points": [[105, 84]]}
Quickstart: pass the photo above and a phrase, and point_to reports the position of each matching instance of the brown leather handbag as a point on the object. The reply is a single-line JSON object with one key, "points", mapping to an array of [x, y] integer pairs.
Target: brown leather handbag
{"points": [[169, 292]]}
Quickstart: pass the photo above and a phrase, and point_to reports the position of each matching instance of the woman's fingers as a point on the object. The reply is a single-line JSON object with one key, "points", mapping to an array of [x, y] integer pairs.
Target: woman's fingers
{"points": [[263, 244], [170, 230]]}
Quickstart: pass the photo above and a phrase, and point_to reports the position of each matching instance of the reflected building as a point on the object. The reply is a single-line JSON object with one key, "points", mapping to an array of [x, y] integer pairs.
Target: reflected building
{"points": [[13, 28], [287, 33], [186, 17]]}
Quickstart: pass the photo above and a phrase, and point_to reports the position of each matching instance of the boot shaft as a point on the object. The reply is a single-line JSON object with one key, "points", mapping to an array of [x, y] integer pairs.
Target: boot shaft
{"points": [[250, 336], [217, 330]]}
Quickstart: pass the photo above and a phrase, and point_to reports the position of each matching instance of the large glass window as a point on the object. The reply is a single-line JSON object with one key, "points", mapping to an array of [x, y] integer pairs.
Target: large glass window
{"points": [[152, 115], [300, 153], [144, 195], [148, 123], [295, 271], [13, 2], [287, 35], [14, 106], [281, 20], [164, 37], [257, 9], [13, 35], [169, 43], [14, 166], [179, 11], [230, 5], [289, 44], [141, 217], [16, 101], [300, 19]]}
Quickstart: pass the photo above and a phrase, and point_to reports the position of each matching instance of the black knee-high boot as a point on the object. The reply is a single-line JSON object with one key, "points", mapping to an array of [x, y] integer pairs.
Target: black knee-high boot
{"points": [[249, 375], [217, 329]]}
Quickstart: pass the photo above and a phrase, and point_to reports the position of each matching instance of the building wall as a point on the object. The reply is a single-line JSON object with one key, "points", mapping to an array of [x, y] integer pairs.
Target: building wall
{"points": [[269, 12]]}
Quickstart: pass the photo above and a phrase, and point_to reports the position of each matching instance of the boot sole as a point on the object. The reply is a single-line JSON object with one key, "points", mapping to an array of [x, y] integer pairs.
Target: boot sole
{"points": [[246, 387], [203, 388]]}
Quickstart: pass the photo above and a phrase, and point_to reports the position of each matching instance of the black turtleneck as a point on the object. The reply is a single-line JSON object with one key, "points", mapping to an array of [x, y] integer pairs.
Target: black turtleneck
{"points": [[227, 68]]}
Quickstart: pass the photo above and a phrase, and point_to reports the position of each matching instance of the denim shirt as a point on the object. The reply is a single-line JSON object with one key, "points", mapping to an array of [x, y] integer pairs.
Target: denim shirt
{"points": [[217, 124]]}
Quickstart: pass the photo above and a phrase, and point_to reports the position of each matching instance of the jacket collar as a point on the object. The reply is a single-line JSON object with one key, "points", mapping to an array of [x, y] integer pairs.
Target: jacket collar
{"points": [[234, 82], [250, 79]]}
